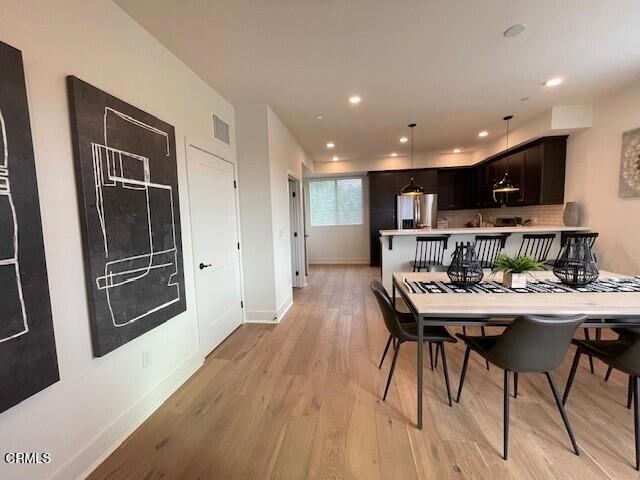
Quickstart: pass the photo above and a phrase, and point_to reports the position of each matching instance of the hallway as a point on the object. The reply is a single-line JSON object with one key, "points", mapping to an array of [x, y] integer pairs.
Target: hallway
{"points": [[302, 399]]}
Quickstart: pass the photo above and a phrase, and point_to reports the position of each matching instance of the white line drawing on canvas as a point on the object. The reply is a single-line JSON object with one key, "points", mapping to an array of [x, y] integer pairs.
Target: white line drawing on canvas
{"points": [[11, 261], [115, 168]]}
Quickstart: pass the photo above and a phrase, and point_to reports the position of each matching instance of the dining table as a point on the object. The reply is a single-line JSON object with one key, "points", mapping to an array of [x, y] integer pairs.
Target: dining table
{"points": [[441, 303]]}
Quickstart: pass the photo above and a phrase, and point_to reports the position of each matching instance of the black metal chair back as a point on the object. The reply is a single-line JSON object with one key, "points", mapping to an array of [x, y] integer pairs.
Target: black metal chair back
{"points": [[536, 245], [391, 320], [488, 246], [590, 237], [535, 343], [429, 252]]}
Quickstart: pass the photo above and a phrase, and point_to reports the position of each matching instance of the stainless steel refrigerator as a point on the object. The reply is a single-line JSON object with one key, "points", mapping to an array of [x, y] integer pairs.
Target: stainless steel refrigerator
{"points": [[419, 211]]}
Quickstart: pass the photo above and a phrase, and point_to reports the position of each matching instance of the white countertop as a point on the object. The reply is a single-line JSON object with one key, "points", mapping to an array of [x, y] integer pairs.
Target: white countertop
{"points": [[487, 230]]}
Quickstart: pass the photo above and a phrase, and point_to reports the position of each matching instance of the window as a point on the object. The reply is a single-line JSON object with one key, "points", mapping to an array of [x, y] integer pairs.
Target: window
{"points": [[336, 201]]}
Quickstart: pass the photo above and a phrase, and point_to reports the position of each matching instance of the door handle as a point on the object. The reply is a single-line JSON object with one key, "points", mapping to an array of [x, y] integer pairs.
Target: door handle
{"points": [[204, 265]]}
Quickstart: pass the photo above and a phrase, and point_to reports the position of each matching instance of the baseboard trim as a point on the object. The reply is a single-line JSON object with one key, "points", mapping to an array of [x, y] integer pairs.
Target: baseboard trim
{"points": [[339, 261], [284, 308], [261, 316], [105, 443]]}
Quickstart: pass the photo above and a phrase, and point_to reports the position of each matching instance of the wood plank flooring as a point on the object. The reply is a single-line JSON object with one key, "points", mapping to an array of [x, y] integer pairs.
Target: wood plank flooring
{"points": [[302, 399]]}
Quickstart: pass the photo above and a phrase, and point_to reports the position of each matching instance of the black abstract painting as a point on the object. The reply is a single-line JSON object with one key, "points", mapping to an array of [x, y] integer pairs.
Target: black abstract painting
{"points": [[28, 361], [128, 193]]}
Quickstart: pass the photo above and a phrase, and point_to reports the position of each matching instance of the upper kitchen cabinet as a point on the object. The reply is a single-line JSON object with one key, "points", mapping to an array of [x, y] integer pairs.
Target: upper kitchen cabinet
{"points": [[455, 188], [537, 168], [539, 172], [384, 186], [486, 174], [381, 191]]}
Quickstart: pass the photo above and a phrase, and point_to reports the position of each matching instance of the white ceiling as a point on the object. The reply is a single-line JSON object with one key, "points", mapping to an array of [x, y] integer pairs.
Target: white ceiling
{"points": [[441, 63]]}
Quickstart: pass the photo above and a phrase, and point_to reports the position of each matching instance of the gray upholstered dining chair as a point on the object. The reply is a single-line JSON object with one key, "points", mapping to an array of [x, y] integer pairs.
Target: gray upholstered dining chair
{"points": [[530, 344], [406, 331], [622, 354]]}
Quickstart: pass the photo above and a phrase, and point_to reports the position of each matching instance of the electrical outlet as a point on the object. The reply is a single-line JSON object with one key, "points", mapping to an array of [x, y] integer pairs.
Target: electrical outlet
{"points": [[146, 359]]}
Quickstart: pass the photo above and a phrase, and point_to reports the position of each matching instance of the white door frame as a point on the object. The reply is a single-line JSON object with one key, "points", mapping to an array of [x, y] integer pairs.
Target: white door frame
{"points": [[300, 280], [209, 148]]}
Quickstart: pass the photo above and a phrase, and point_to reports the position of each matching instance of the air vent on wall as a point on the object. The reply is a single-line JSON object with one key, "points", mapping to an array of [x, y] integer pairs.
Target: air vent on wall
{"points": [[221, 130]]}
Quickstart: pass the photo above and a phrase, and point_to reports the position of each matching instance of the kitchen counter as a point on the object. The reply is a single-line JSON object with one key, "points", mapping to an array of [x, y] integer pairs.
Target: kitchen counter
{"points": [[482, 230], [399, 246]]}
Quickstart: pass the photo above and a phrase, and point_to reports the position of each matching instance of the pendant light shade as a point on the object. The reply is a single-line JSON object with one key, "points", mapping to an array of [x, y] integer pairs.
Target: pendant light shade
{"points": [[412, 188], [505, 184]]}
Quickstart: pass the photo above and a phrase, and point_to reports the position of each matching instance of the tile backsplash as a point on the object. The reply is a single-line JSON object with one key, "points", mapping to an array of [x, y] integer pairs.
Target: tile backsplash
{"points": [[539, 214]]}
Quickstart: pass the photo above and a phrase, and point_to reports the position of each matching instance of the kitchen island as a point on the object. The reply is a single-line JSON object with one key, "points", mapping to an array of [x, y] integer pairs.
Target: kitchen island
{"points": [[399, 246]]}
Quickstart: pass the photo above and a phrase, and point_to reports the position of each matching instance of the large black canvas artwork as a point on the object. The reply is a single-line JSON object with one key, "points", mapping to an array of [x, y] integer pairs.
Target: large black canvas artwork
{"points": [[28, 361], [128, 194]]}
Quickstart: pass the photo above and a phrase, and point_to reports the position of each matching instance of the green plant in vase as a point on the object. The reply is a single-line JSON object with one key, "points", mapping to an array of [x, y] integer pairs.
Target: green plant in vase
{"points": [[515, 269]]}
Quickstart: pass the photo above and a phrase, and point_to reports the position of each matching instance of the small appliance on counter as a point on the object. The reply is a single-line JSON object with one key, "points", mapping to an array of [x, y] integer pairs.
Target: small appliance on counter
{"points": [[416, 211], [508, 222]]}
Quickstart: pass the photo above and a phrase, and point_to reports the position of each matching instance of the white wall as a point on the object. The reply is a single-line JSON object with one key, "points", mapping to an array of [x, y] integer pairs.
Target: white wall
{"points": [[286, 158], [267, 154], [593, 169], [256, 213], [98, 401], [339, 243]]}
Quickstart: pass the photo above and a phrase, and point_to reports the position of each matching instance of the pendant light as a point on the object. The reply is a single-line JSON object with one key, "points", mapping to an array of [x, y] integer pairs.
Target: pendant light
{"points": [[412, 188], [505, 185]]}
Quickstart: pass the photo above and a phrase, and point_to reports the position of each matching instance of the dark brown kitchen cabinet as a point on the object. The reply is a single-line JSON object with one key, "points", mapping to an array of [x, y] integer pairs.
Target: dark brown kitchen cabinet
{"points": [[538, 168], [381, 191], [455, 188], [383, 188], [486, 175], [378, 221]]}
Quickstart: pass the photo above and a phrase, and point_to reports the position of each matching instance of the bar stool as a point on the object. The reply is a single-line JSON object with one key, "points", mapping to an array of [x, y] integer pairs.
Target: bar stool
{"points": [[530, 344], [622, 354], [536, 245], [403, 331], [489, 246], [429, 252], [567, 236]]}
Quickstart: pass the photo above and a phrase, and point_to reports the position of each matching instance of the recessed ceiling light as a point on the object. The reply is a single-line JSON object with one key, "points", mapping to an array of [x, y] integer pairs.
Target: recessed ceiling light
{"points": [[404, 139], [394, 154], [483, 133], [514, 30], [553, 82], [331, 145], [355, 99], [335, 158], [319, 117], [456, 150]]}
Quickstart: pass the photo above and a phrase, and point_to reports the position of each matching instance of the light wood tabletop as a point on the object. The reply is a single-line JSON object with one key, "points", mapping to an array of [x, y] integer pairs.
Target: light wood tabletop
{"points": [[443, 305], [450, 309]]}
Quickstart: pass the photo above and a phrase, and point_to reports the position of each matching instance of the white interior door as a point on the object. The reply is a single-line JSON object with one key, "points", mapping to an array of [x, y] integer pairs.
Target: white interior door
{"points": [[215, 246]]}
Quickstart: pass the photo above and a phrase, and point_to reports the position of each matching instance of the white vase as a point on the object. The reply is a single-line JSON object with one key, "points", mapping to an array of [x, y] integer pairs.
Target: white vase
{"points": [[514, 280], [571, 215]]}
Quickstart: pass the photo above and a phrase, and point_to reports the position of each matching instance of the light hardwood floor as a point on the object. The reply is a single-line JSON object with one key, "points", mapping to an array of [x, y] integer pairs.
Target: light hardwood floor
{"points": [[302, 399]]}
